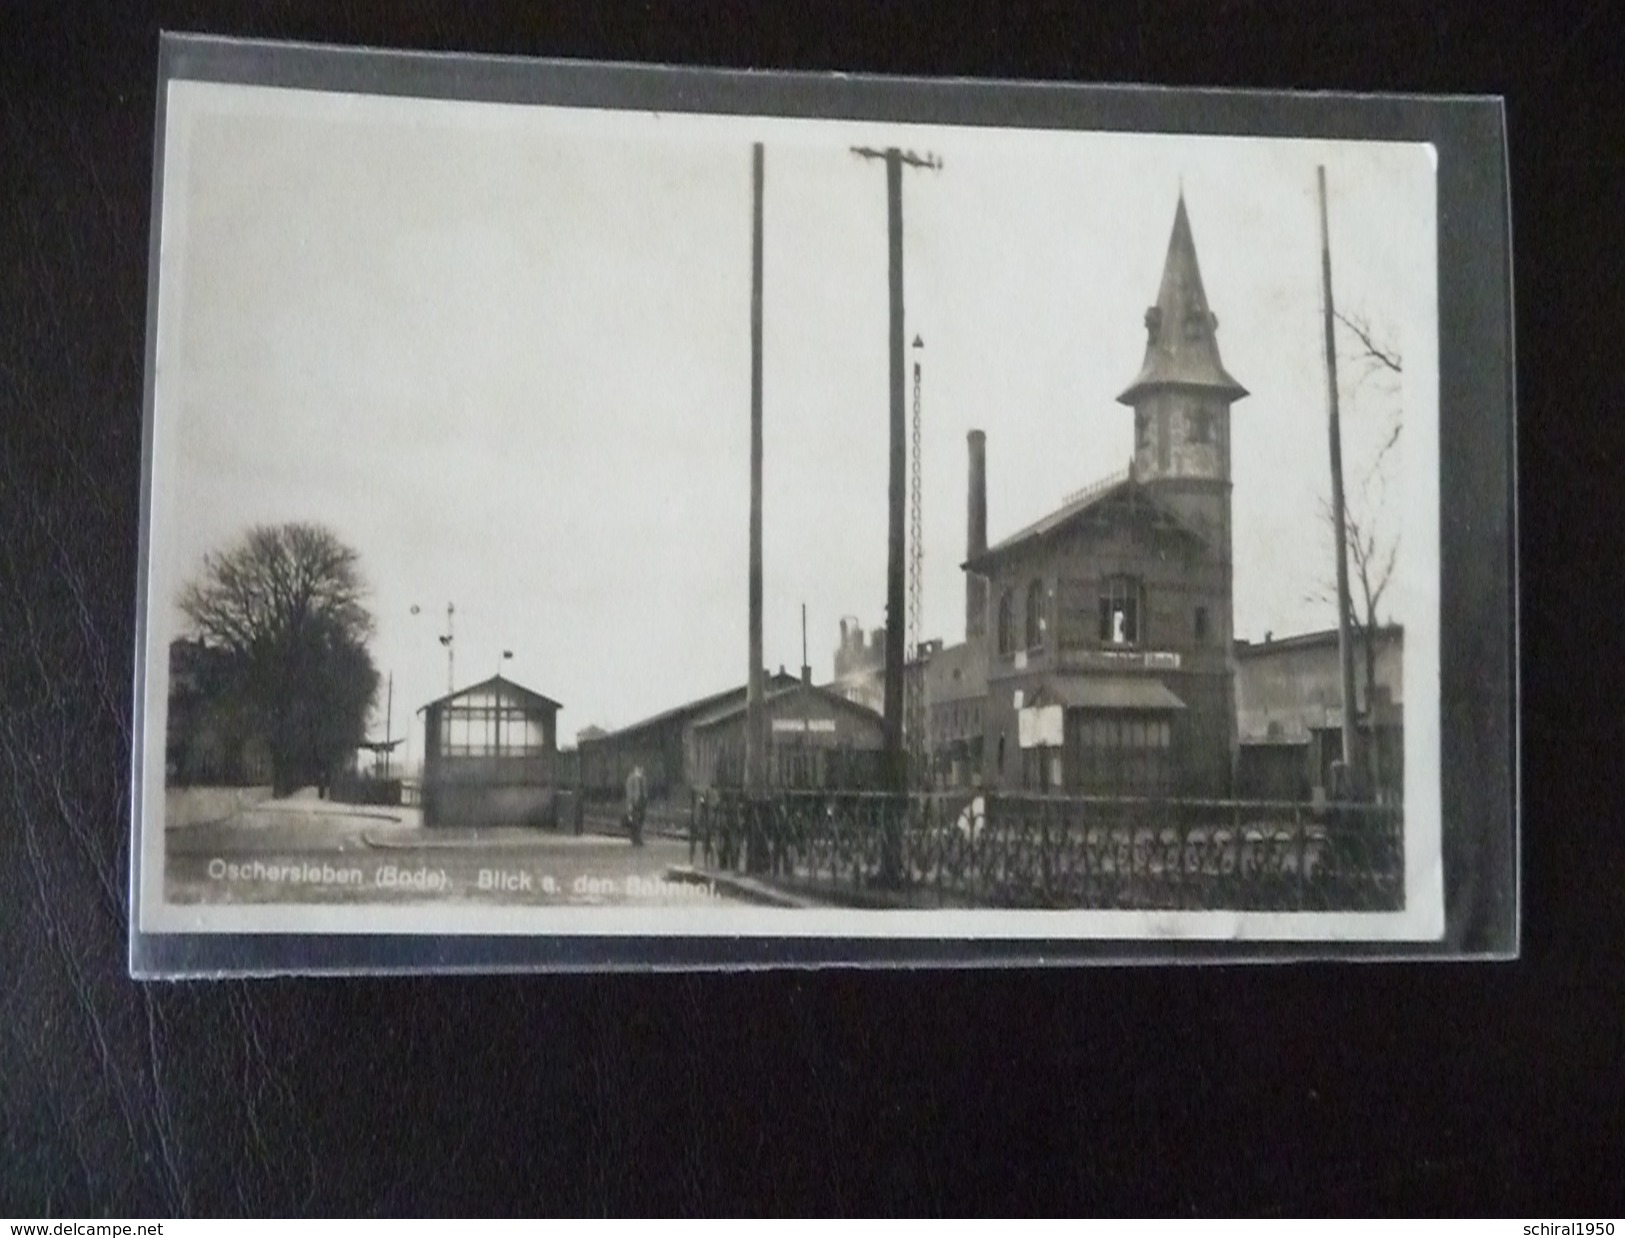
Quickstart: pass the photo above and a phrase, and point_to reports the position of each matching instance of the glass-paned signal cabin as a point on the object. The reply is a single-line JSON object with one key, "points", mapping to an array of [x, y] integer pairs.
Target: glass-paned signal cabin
{"points": [[490, 757]]}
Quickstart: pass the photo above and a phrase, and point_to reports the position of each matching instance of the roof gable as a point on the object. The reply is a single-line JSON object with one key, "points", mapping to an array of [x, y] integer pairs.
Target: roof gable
{"points": [[1118, 499], [700, 706], [499, 685], [833, 698]]}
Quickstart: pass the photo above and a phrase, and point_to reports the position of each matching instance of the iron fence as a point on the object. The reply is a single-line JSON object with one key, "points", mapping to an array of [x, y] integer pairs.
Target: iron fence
{"points": [[1003, 850]]}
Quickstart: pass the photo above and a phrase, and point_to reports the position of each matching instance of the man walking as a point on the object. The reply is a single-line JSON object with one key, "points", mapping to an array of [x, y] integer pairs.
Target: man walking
{"points": [[637, 801]]}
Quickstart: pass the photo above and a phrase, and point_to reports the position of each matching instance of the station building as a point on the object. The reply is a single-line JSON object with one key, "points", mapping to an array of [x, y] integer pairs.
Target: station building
{"points": [[1106, 629]]}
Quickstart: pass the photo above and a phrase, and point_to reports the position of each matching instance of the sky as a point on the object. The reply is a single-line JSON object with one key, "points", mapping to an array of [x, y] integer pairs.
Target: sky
{"points": [[504, 352]]}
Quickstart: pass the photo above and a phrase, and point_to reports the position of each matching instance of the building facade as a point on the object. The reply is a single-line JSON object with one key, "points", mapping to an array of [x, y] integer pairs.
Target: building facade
{"points": [[1107, 630], [860, 664], [816, 739], [1289, 713], [210, 739], [657, 745], [956, 700]]}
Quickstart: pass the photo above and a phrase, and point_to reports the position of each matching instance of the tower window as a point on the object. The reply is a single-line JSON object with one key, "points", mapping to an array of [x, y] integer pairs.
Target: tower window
{"points": [[1201, 623], [1007, 622], [1199, 424], [1035, 614], [1120, 611]]}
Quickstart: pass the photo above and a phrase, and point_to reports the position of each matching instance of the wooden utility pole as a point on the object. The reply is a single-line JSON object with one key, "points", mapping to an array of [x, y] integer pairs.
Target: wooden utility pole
{"points": [[389, 722], [896, 623], [755, 733], [1345, 644]]}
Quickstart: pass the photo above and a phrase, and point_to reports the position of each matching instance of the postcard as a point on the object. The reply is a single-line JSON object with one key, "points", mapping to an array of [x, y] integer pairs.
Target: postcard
{"points": [[617, 517]]}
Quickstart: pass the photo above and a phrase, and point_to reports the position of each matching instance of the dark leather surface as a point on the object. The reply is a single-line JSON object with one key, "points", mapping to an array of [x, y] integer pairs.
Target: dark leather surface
{"points": [[1292, 1089]]}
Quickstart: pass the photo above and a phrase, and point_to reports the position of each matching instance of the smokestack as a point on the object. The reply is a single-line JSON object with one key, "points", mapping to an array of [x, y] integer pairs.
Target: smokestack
{"points": [[976, 536], [806, 670]]}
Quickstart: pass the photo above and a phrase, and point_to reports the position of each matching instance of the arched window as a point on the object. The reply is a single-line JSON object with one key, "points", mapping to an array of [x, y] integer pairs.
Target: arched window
{"points": [[1035, 614], [1007, 622]]}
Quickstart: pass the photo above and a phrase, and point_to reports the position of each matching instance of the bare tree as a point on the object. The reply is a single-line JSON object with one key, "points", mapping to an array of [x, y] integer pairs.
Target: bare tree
{"points": [[284, 607]]}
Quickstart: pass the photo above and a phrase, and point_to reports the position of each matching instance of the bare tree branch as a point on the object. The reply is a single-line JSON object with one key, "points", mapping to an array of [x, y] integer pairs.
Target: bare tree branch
{"points": [[1370, 349]]}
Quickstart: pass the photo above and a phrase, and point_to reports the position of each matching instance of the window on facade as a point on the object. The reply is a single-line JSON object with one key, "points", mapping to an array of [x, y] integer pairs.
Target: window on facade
{"points": [[1125, 754], [1142, 430], [1201, 623], [1199, 425], [488, 729], [1035, 614], [1007, 622], [1120, 611]]}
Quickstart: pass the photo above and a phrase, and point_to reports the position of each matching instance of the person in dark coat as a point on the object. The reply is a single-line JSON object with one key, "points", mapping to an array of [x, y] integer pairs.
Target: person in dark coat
{"points": [[637, 803]]}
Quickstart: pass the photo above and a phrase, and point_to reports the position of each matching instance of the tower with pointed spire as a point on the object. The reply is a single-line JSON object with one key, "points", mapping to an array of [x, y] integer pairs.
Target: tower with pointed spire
{"points": [[1182, 396], [1107, 644]]}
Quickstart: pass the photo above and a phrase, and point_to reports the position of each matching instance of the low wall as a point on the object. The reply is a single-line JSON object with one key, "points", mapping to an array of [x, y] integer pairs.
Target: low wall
{"points": [[198, 805]]}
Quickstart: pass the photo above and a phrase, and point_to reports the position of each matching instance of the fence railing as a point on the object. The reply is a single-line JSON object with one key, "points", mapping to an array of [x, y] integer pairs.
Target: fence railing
{"points": [[999, 850]]}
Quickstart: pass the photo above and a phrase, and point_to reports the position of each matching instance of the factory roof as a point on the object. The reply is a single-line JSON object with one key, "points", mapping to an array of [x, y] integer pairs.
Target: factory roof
{"points": [[686, 711], [733, 710]]}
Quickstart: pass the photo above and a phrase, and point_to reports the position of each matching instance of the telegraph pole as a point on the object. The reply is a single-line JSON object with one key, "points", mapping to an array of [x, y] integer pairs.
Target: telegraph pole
{"points": [[896, 623], [389, 722], [755, 737], [1345, 646]]}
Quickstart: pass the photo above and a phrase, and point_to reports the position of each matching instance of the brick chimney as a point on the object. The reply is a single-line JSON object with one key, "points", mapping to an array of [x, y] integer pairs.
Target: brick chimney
{"points": [[976, 537]]}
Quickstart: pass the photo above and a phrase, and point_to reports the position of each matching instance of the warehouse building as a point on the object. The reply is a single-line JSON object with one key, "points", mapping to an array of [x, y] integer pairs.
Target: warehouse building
{"points": [[816, 739], [656, 744], [1289, 712]]}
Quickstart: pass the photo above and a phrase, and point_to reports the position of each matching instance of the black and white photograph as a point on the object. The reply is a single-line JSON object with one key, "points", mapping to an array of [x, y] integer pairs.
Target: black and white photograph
{"points": [[585, 520]]}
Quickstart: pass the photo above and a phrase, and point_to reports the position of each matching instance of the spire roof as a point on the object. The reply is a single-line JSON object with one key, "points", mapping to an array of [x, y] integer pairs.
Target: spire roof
{"points": [[1181, 349]]}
